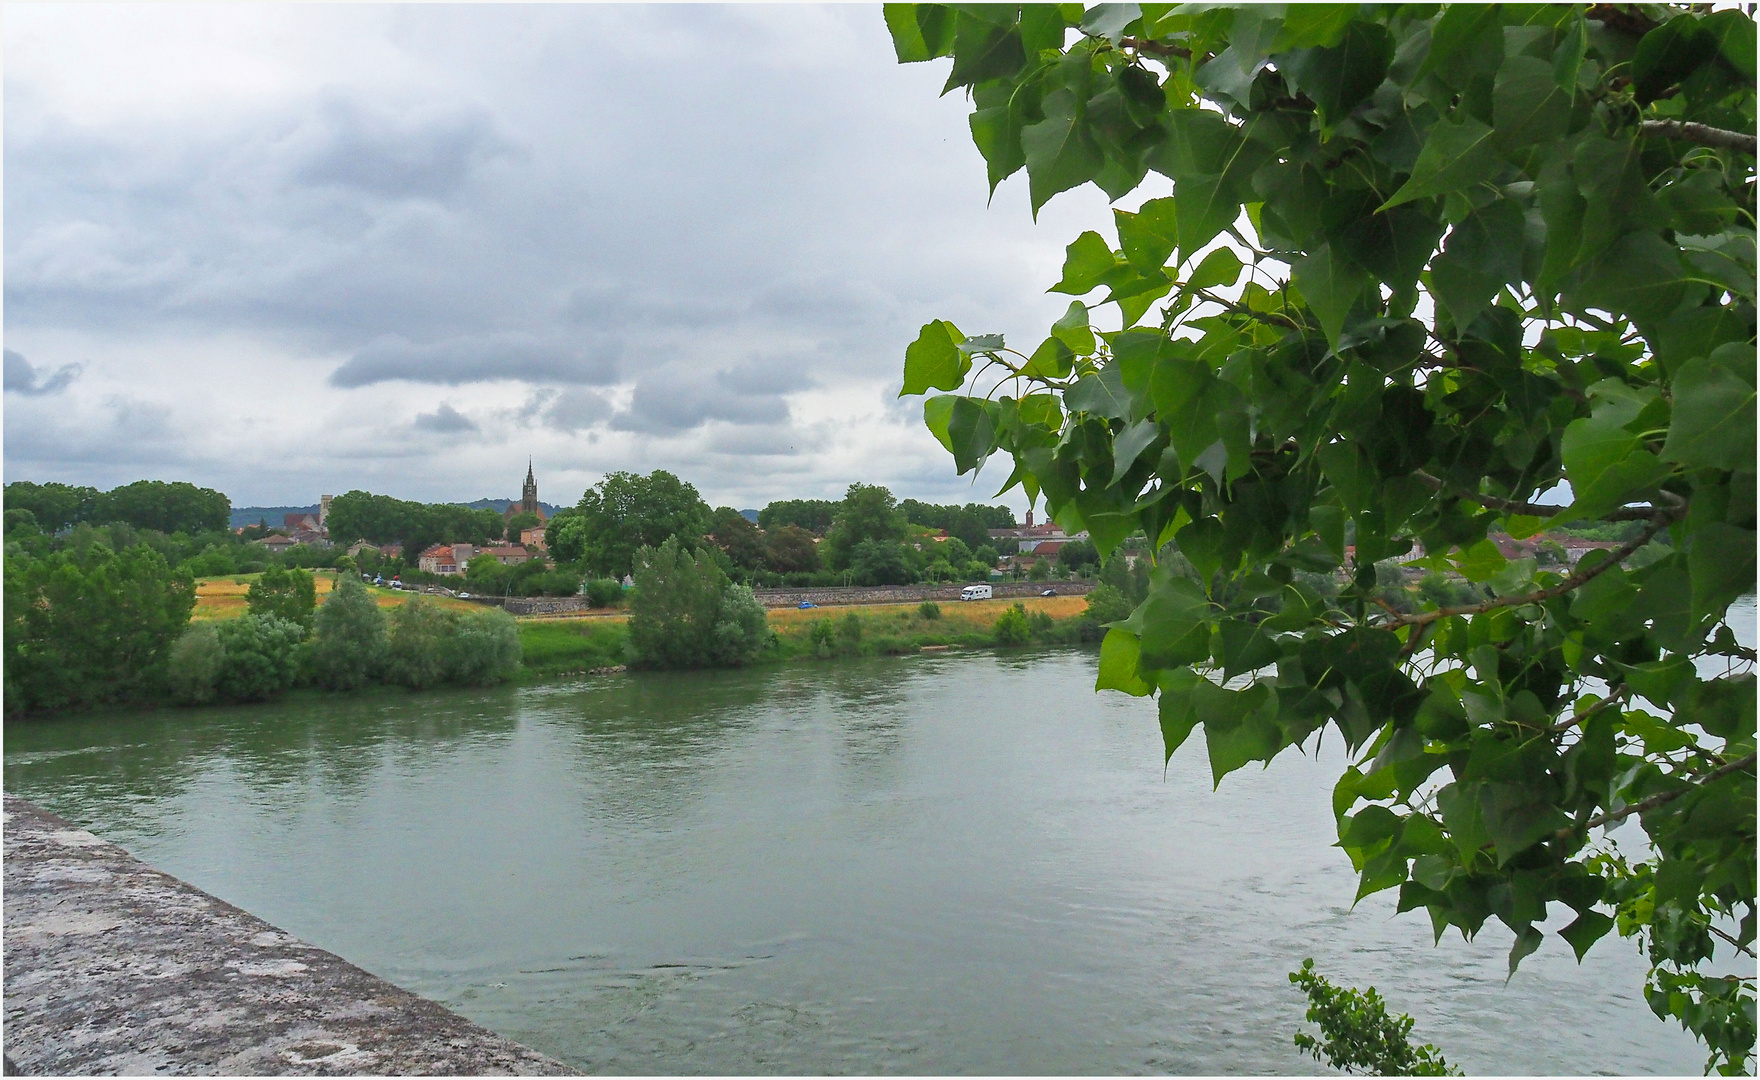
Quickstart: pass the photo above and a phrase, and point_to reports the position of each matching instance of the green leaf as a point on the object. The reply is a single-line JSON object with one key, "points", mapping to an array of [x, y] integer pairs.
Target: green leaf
{"points": [[1119, 652], [1109, 20], [935, 360], [937, 413], [1220, 267], [1482, 254], [1585, 930], [1640, 276], [1517, 817], [972, 430], [1176, 708], [1455, 156], [1173, 624], [1567, 59], [1060, 152], [1149, 236], [1102, 394], [1308, 26], [1722, 567], [1351, 474], [1478, 562], [1668, 54], [908, 40], [1527, 940], [1606, 465], [980, 343], [1239, 726], [1461, 28], [1713, 422], [1129, 445], [1051, 360], [1734, 33], [1330, 284], [1202, 543], [1086, 263], [984, 50], [1073, 329], [1341, 77], [1528, 107], [1241, 647]]}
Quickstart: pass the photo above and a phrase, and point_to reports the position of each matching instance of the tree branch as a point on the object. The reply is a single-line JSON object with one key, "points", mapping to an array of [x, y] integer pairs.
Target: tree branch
{"points": [[1577, 579], [1155, 48], [1541, 510], [1703, 134], [1283, 322], [1660, 799], [1731, 940]]}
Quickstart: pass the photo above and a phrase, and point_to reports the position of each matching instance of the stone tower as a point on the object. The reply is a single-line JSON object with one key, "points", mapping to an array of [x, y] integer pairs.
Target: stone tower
{"points": [[528, 501]]}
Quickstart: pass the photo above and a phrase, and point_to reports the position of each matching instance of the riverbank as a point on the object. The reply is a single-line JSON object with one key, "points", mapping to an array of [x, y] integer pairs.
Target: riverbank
{"points": [[563, 647], [115, 967]]}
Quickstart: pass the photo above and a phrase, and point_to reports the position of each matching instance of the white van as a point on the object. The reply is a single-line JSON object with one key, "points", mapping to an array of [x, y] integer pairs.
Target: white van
{"points": [[975, 592]]}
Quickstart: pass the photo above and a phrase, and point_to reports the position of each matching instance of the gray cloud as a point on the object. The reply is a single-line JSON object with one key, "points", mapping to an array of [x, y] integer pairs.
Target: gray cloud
{"points": [[435, 201], [398, 157], [672, 401], [23, 377], [478, 358], [576, 409], [445, 420]]}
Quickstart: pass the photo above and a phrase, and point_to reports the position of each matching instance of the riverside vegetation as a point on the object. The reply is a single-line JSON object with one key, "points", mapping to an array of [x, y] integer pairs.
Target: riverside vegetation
{"points": [[1420, 265]]}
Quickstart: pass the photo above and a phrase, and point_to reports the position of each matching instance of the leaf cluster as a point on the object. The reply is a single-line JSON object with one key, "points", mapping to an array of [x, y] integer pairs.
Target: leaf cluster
{"points": [[1418, 272]]}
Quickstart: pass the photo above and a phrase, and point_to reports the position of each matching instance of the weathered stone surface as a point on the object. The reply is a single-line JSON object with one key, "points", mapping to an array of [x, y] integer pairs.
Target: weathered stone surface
{"points": [[113, 967]]}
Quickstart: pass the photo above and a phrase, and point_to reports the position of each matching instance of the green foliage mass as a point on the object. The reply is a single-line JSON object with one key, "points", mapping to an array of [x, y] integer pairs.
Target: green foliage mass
{"points": [[739, 538], [350, 646], [1357, 1035], [90, 625], [813, 515], [259, 657], [626, 512], [1404, 270], [429, 645], [868, 515], [145, 504], [790, 549], [286, 594], [1012, 627], [686, 613], [381, 519]]}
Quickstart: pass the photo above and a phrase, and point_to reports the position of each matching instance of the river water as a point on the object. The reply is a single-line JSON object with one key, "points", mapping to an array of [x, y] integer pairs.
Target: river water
{"points": [[950, 864]]}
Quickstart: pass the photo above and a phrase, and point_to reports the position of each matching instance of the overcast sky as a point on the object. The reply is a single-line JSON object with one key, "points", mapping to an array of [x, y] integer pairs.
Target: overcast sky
{"points": [[283, 251]]}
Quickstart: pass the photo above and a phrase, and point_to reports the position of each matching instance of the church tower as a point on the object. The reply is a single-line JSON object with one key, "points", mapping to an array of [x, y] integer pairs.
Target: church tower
{"points": [[529, 494], [528, 497]]}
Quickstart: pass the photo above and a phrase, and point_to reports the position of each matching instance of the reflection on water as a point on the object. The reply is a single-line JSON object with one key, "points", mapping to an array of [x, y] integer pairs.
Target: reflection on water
{"points": [[946, 864]]}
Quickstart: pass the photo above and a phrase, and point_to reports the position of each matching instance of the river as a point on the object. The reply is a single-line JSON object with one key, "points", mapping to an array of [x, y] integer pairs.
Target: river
{"points": [[966, 863]]}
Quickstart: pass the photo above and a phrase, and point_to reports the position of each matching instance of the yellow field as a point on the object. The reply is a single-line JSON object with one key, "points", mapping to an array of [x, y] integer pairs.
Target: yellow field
{"points": [[224, 597]]}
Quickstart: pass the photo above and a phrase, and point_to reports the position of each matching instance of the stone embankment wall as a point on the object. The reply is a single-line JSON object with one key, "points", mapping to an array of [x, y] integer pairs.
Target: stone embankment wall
{"points": [[113, 967], [910, 594]]}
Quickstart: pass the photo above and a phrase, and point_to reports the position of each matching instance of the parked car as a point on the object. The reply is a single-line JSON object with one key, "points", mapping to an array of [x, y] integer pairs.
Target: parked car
{"points": [[464, 596], [805, 604], [1049, 592]]}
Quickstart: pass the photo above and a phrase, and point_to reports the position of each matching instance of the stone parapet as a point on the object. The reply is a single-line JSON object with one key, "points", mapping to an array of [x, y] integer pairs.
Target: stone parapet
{"points": [[113, 967]]}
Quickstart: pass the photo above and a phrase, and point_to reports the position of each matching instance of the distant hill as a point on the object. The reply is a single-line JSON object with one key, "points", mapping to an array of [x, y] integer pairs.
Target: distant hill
{"points": [[275, 515], [503, 504], [749, 515]]}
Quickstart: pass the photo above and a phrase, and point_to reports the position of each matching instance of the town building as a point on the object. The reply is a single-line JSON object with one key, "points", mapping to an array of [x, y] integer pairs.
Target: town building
{"points": [[446, 558], [507, 554], [278, 543], [533, 537], [1030, 538]]}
